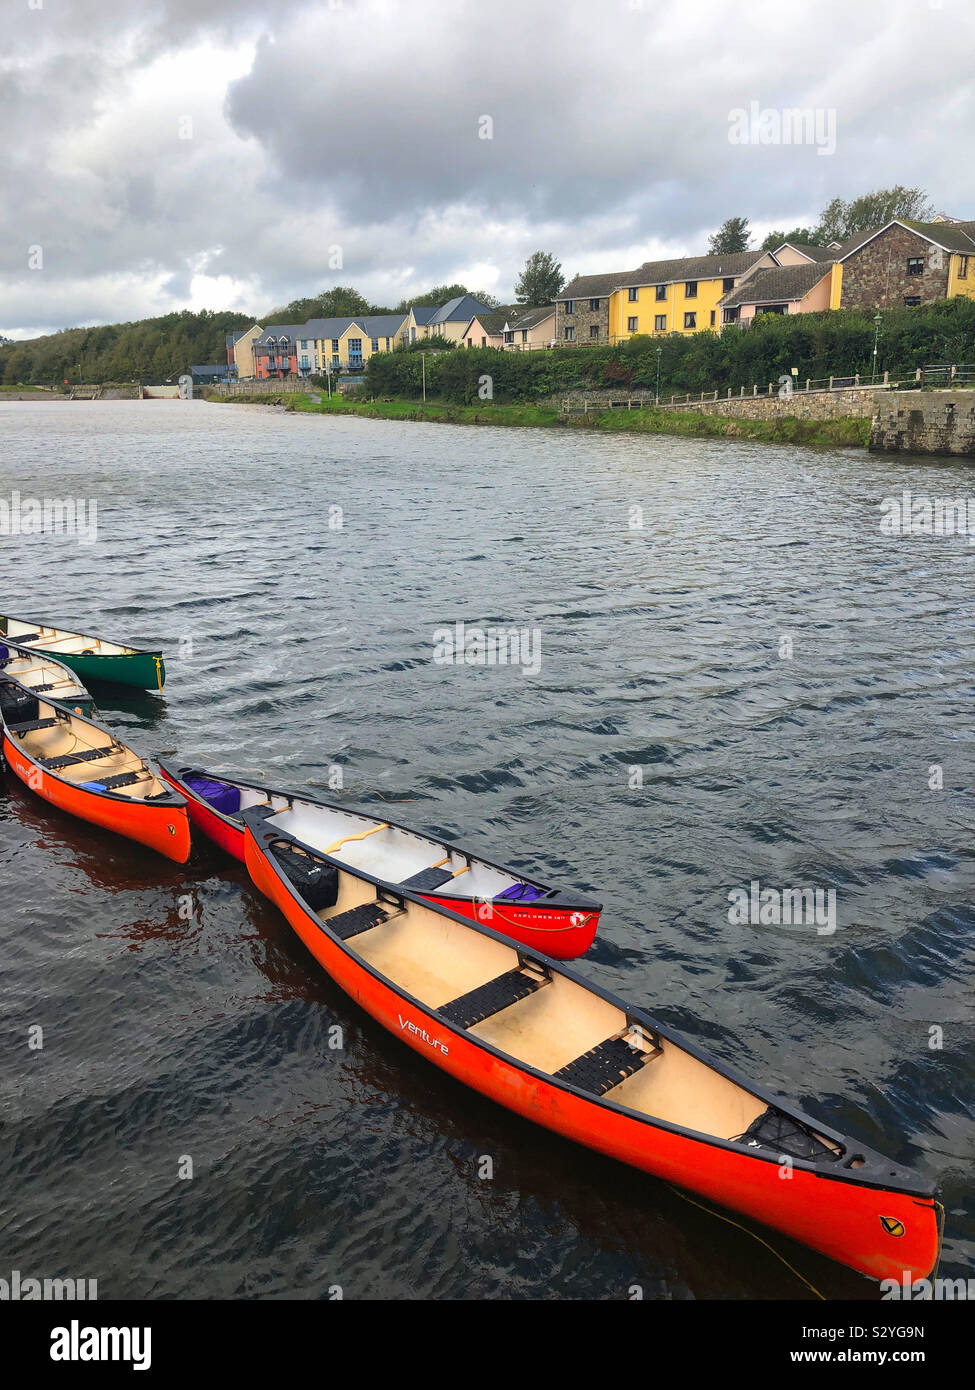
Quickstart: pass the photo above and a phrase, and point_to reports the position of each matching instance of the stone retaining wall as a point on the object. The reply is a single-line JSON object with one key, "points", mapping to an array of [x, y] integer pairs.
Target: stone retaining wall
{"points": [[925, 422], [857, 402]]}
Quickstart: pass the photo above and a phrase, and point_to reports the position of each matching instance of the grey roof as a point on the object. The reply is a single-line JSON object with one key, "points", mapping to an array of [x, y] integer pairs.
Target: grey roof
{"points": [[235, 337], [528, 318], [692, 268], [382, 325], [280, 330], [815, 253], [372, 325], [595, 286], [214, 369], [459, 310], [423, 313], [778, 284]]}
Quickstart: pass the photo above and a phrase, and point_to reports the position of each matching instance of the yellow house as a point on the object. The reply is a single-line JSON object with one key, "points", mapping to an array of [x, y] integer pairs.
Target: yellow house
{"points": [[346, 344], [678, 296]]}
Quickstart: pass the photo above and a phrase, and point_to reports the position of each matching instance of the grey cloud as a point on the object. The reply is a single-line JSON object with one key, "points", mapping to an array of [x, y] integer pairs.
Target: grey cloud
{"points": [[358, 125]]}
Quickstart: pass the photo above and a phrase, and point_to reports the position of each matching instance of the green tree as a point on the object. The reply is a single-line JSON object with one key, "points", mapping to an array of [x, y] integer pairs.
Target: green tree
{"points": [[799, 236], [841, 219], [440, 294], [733, 235], [540, 281]]}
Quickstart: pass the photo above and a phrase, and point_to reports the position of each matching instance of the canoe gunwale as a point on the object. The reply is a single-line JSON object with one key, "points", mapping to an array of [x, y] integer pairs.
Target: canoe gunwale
{"points": [[897, 1180], [568, 900], [126, 651]]}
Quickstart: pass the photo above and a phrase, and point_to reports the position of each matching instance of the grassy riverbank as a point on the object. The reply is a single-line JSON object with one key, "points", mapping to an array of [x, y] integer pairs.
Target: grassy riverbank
{"points": [[847, 432]]}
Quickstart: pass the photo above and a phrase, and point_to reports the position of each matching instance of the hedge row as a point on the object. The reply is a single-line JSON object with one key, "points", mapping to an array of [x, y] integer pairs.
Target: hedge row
{"points": [[834, 343]]}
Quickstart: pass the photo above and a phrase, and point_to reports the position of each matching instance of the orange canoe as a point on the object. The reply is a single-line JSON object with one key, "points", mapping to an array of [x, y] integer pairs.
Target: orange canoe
{"points": [[534, 1036], [81, 767]]}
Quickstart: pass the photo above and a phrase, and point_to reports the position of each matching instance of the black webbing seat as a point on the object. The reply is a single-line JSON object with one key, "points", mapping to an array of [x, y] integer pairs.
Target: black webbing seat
{"points": [[71, 759], [428, 879], [490, 998], [31, 725], [121, 779], [356, 920], [24, 637], [39, 689], [603, 1066]]}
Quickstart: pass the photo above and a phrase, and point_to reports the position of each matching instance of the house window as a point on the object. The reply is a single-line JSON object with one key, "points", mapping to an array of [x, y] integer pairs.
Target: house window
{"points": [[915, 265], [524, 335], [470, 342], [660, 323], [963, 267], [911, 299], [387, 344], [375, 344], [594, 330], [570, 306], [594, 303], [631, 325], [509, 336], [412, 335], [335, 344], [730, 316], [661, 291], [355, 347], [335, 360], [690, 289], [690, 320], [712, 318], [483, 342], [633, 294], [570, 335], [727, 284]]}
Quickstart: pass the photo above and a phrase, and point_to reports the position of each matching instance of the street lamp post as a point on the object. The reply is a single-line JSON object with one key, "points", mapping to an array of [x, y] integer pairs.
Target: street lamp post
{"points": [[659, 355], [878, 320]]}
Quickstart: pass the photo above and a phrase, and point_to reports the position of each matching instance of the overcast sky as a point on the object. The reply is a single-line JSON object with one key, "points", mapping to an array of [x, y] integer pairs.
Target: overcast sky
{"points": [[167, 154]]}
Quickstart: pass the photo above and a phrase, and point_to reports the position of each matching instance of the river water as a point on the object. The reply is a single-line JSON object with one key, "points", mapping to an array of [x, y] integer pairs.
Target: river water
{"points": [[741, 679]]}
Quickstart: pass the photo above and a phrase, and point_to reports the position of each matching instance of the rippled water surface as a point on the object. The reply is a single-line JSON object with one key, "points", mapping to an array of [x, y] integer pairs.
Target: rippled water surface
{"points": [[203, 1030]]}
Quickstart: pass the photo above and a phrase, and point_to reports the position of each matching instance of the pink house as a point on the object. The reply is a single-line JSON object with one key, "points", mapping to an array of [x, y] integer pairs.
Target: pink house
{"points": [[803, 288]]}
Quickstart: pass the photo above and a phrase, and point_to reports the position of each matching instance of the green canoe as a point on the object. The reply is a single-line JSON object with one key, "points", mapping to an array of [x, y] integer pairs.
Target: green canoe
{"points": [[92, 658]]}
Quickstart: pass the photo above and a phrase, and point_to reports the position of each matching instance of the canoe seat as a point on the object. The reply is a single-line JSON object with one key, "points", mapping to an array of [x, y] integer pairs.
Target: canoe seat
{"points": [[612, 1061], [345, 925], [428, 879], [39, 689], [72, 759], [26, 637], [122, 779], [495, 995], [31, 725]]}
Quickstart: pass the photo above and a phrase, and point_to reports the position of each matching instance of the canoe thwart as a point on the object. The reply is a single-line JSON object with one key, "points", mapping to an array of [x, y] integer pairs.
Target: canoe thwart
{"points": [[361, 836], [499, 993], [606, 1065]]}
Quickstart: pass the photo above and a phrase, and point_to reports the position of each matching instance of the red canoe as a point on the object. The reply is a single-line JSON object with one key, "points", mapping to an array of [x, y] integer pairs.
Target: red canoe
{"points": [[557, 922], [558, 1050], [82, 768]]}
